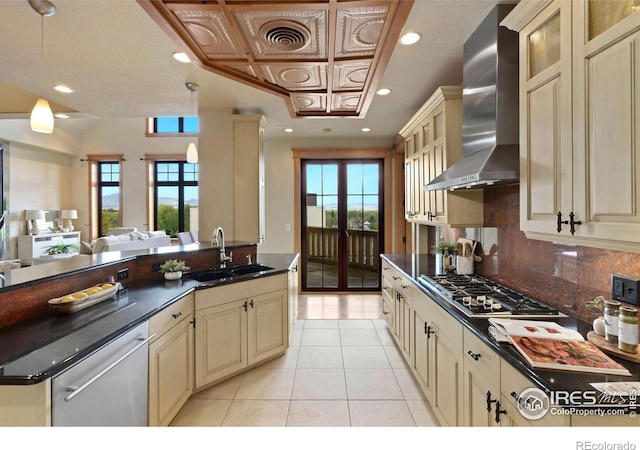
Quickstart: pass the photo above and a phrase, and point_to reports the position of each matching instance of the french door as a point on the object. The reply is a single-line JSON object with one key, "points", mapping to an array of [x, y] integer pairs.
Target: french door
{"points": [[342, 224]]}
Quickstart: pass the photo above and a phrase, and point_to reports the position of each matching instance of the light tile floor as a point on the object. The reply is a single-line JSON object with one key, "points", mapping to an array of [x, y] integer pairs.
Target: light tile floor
{"points": [[336, 373]]}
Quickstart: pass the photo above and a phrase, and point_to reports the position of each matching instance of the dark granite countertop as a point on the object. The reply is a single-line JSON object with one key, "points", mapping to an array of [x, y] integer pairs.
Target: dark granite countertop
{"points": [[39, 348], [547, 380]]}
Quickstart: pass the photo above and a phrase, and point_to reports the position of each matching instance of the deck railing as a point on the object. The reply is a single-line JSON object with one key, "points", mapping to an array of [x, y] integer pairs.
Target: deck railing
{"points": [[362, 247]]}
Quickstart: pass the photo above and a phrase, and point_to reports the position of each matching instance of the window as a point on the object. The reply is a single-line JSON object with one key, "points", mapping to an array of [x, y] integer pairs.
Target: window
{"points": [[105, 199], [175, 196], [172, 126]]}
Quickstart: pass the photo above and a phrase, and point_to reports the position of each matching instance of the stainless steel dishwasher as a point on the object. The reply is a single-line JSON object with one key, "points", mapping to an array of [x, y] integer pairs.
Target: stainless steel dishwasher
{"points": [[108, 388]]}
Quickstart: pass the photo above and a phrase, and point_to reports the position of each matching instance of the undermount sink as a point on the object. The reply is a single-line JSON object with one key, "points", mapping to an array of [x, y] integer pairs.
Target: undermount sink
{"points": [[251, 268], [210, 275]]}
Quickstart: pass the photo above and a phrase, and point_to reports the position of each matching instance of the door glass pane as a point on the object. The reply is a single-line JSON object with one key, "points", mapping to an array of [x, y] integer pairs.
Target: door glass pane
{"points": [[362, 225], [321, 197], [603, 14], [544, 46]]}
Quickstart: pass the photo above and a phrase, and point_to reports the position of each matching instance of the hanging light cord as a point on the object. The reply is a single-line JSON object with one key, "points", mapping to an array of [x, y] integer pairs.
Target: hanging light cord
{"points": [[42, 55]]}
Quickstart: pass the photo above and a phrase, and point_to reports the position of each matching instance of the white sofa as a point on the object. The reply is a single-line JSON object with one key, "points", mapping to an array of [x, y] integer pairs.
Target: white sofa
{"points": [[136, 240]]}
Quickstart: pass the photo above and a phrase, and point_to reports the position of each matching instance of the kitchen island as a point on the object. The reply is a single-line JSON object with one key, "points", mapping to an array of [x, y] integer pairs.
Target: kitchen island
{"points": [[40, 347], [469, 378]]}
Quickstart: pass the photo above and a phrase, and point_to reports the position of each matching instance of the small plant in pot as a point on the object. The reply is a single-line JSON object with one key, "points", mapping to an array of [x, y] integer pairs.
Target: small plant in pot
{"points": [[173, 268], [444, 251], [597, 304], [61, 248]]}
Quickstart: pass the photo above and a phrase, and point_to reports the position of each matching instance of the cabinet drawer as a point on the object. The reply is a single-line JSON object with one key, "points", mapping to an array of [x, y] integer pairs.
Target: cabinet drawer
{"points": [[170, 316], [481, 357]]}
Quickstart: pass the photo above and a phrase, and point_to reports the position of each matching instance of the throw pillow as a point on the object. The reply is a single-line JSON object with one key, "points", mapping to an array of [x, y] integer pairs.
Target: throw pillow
{"points": [[86, 248]]}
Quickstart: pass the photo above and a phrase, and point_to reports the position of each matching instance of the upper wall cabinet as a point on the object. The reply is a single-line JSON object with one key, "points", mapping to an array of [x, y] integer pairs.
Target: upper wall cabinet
{"points": [[579, 124], [433, 141]]}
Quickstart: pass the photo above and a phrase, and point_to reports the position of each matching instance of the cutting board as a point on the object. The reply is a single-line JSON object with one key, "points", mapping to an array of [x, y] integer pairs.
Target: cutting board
{"points": [[611, 349]]}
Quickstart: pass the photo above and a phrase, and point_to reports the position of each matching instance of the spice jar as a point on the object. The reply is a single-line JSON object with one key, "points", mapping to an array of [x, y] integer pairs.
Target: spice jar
{"points": [[611, 311], [628, 329]]}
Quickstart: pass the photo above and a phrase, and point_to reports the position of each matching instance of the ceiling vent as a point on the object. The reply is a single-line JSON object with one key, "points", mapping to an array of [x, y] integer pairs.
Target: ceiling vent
{"points": [[285, 35]]}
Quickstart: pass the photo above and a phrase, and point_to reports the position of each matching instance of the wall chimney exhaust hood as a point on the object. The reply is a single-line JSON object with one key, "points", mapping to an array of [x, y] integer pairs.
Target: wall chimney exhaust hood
{"points": [[490, 150]]}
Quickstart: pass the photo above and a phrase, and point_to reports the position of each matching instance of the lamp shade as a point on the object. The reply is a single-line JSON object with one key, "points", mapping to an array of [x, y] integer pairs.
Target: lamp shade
{"points": [[42, 117], [69, 214], [37, 214], [192, 153]]}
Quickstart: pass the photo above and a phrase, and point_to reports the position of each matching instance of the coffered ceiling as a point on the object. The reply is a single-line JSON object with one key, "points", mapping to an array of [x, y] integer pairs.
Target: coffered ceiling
{"points": [[324, 58]]}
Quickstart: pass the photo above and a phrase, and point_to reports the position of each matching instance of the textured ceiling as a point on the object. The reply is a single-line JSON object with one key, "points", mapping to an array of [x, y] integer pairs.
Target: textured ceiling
{"points": [[323, 57], [118, 60]]}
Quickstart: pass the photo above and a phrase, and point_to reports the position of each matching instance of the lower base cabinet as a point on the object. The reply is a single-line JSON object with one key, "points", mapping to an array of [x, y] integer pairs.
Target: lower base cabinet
{"points": [[238, 326], [170, 361]]}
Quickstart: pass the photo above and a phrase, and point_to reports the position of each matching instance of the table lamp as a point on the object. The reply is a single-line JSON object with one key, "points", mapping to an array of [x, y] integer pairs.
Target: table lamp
{"points": [[33, 215], [69, 214]]}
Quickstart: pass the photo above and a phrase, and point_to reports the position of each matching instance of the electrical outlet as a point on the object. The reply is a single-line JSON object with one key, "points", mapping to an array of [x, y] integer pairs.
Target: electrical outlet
{"points": [[122, 274], [625, 289]]}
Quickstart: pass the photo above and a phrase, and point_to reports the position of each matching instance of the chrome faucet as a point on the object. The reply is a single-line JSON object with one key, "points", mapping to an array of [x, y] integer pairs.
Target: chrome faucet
{"points": [[218, 241]]}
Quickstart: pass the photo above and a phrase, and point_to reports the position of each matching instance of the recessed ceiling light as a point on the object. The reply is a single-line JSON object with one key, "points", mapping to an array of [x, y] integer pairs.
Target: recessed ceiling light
{"points": [[64, 89], [62, 116], [410, 38], [383, 91], [182, 57], [288, 130], [366, 130]]}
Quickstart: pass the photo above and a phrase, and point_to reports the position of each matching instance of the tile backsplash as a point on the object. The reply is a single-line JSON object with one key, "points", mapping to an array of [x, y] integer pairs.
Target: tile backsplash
{"points": [[563, 276]]}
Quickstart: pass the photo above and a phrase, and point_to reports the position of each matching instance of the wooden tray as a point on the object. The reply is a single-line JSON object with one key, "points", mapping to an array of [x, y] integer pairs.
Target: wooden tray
{"points": [[611, 349], [77, 305]]}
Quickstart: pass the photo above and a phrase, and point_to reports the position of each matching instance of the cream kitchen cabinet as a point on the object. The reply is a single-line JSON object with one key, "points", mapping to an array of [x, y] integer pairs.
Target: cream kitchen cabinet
{"points": [[238, 326], [249, 177], [436, 360], [433, 141], [580, 116], [170, 361], [397, 295], [292, 298]]}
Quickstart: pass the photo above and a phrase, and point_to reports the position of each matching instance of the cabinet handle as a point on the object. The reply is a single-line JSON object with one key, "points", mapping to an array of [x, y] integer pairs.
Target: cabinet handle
{"points": [[428, 331], [404, 286], [573, 223], [385, 312], [514, 395], [489, 401], [251, 303], [245, 306], [396, 278], [499, 411], [475, 356], [560, 222], [175, 316]]}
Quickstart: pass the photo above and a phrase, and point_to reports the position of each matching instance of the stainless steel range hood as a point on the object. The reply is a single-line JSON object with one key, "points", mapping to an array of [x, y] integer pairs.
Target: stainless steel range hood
{"points": [[489, 108]]}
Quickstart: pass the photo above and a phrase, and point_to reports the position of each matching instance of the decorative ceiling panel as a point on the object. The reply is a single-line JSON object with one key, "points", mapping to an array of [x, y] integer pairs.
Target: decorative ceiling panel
{"points": [[296, 77], [324, 58]]}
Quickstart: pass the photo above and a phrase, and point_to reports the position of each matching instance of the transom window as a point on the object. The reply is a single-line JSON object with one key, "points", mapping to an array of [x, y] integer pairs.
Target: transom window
{"points": [[167, 126]]}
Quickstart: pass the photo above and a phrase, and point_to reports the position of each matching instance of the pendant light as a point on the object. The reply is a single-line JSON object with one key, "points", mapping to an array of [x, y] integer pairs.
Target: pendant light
{"points": [[41, 115], [192, 151]]}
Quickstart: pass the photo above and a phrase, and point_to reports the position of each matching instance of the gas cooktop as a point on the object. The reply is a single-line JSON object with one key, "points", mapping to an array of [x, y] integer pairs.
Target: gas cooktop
{"points": [[477, 296]]}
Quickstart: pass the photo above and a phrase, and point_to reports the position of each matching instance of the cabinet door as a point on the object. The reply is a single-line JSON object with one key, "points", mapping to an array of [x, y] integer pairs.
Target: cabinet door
{"points": [[267, 326], [170, 372], [546, 165], [607, 124], [421, 352], [447, 381], [480, 396], [221, 341], [293, 299], [406, 322]]}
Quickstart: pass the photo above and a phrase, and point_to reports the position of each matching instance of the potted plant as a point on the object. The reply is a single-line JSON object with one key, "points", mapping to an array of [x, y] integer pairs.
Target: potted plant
{"points": [[597, 304], [444, 251], [173, 268], [60, 248]]}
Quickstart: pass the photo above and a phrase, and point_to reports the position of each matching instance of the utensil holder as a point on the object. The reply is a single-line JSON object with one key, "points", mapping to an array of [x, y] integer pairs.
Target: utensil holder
{"points": [[464, 265]]}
